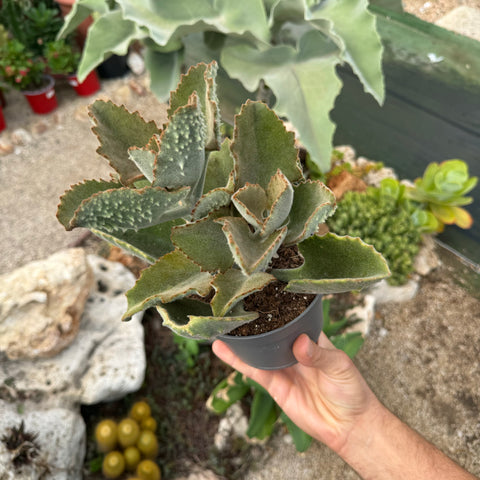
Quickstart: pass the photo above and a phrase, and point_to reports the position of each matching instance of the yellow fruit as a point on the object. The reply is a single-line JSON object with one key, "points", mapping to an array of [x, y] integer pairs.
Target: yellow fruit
{"points": [[132, 457], [140, 411], [128, 432], [148, 470], [106, 435], [149, 424], [113, 465], [147, 444]]}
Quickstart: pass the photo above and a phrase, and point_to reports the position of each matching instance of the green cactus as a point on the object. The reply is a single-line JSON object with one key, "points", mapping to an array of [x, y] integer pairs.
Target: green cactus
{"points": [[211, 216], [442, 191]]}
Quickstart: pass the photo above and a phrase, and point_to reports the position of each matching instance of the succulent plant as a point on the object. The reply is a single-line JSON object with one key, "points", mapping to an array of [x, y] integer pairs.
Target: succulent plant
{"points": [[442, 190], [210, 215]]}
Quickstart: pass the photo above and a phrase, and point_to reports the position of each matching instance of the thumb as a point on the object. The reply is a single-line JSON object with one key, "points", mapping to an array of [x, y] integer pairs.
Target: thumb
{"points": [[323, 355]]}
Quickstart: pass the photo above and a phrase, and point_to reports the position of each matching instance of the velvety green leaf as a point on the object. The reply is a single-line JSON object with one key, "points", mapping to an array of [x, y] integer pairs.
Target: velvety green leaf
{"points": [[117, 130], [304, 82], [71, 200], [164, 69], [172, 277], [204, 242], [147, 243], [193, 319], [251, 253], [301, 440], [361, 46], [251, 203], [181, 160], [313, 203], [81, 10], [200, 79], [233, 285], [279, 203], [162, 19], [227, 392], [262, 145], [211, 201], [334, 264], [144, 159], [129, 208], [220, 169], [109, 34], [263, 415]]}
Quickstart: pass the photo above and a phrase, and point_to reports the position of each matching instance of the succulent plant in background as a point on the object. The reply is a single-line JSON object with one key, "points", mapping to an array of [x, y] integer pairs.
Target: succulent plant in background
{"points": [[210, 215], [442, 191], [61, 57]]}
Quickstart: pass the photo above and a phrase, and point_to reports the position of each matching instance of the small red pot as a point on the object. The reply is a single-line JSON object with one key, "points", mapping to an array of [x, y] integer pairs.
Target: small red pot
{"points": [[89, 86], [42, 100], [3, 124]]}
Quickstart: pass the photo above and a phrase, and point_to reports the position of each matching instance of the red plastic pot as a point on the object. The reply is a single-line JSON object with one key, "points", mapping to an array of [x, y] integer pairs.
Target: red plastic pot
{"points": [[89, 86], [42, 100], [3, 124]]}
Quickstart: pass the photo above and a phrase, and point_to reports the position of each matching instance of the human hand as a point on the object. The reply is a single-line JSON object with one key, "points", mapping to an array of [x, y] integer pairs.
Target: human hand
{"points": [[324, 394]]}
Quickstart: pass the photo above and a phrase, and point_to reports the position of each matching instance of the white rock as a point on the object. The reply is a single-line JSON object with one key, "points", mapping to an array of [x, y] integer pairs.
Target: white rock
{"points": [[233, 422], [384, 293], [41, 304], [105, 361], [427, 258], [21, 137], [61, 442], [365, 313]]}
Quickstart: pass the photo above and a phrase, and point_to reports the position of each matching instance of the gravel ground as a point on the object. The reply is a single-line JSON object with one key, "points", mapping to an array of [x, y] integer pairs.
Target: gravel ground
{"points": [[433, 10]]}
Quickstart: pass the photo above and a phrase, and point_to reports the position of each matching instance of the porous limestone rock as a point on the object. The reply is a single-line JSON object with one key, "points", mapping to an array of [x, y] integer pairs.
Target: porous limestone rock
{"points": [[60, 440], [41, 304], [385, 293], [105, 361]]}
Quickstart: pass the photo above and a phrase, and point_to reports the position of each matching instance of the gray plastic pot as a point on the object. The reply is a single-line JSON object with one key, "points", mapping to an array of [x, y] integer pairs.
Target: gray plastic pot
{"points": [[273, 350]]}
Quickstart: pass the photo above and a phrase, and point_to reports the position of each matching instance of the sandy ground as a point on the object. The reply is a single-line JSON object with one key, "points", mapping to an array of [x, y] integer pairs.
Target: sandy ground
{"points": [[433, 10]]}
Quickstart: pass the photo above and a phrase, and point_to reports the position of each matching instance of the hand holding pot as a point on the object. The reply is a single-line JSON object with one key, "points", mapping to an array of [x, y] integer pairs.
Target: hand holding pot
{"points": [[327, 397]]}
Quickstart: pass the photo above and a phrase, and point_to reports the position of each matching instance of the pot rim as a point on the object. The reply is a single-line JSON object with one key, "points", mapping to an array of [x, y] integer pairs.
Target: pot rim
{"points": [[46, 88], [240, 338]]}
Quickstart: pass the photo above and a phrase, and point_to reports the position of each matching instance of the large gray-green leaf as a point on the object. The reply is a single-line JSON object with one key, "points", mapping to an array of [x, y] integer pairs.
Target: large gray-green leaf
{"points": [[181, 160], [211, 201], [251, 203], [81, 10], [148, 244], [144, 159], [279, 203], [361, 46], [205, 243], [303, 80], [233, 285], [334, 264], [109, 34], [200, 79], [193, 319], [118, 130], [172, 277], [162, 19], [71, 200], [262, 145], [220, 169], [251, 252], [313, 203], [129, 208]]}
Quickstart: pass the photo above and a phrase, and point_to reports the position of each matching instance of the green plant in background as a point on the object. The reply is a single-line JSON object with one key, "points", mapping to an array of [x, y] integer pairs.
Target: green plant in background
{"points": [[264, 411], [61, 57], [211, 216], [382, 217], [290, 46], [18, 67], [441, 192]]}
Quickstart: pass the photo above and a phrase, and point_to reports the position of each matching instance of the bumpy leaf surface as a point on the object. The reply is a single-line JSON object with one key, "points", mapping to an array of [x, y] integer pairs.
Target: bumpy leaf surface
{"points": [[334, 264]]}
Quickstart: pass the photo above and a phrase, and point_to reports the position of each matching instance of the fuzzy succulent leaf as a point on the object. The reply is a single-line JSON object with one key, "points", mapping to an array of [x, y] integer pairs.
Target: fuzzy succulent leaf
{"points": [[211, 201], [220, 169], [73, 198], [204, 242], [233, 285], [251, 203], [279, 203], [172, 277], [334, 264], [118, 130], [148, 244], [452, 215], [144, 159], [181, 160], [200, 79], [129, 208], [250, 253], [313, 203], [262, 145], [193, 319]]}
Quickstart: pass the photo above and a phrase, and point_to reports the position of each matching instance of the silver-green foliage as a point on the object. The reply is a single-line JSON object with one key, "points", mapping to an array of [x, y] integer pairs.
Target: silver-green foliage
{"points": [[212, 215], [293, 46]]}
